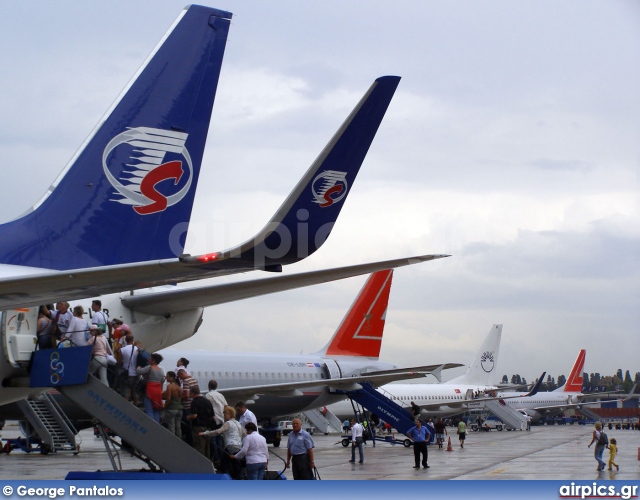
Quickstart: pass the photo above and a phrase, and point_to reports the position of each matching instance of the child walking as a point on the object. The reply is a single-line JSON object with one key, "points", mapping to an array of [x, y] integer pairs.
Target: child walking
{"points": [[613, 450]]}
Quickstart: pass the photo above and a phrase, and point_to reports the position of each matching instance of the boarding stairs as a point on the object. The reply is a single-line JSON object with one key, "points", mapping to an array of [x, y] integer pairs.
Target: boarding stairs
{"points": [[51, 424], [382, 406], [323, 420], [588, 413], [136, 429], [512, 419]]}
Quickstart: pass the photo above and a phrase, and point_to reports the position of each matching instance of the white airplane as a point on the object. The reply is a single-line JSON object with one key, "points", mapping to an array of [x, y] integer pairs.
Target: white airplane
{"points": [[550, 403], [447, 398], [116, 218], [276, 384]]}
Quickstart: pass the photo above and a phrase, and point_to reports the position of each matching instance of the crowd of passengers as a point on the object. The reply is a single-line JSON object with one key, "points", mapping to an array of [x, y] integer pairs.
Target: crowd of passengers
{"points": [[227, 435]]}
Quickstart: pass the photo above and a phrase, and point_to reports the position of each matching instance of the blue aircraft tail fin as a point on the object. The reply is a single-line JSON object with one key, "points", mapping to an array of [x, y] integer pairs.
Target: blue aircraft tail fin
{"points": [[303, 222], [127, 194]]}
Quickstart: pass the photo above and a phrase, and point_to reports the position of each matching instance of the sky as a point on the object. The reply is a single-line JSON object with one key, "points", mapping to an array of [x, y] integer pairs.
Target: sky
{"points": [[511, 144]]}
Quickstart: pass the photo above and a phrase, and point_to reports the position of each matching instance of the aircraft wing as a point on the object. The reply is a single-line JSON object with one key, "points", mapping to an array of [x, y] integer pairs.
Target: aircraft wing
{"points": [[298, 228], [465, 403], [172, 301], [566, 406], [477, 402], [293, 389]]}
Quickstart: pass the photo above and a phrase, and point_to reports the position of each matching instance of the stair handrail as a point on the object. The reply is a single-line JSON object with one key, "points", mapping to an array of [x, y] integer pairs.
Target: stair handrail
{"points": [[55, 407]]}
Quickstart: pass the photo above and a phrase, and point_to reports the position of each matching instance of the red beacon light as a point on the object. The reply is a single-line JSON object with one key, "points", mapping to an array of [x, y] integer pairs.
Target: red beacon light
{"points": [[208, 257]]}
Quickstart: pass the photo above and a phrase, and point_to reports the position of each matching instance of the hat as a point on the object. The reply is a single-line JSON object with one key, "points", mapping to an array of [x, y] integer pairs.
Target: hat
{"points": [[94, 327], [124, 327]]}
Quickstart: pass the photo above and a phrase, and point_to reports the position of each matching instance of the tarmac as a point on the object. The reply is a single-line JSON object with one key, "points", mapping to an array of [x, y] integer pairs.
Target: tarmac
{"points": [[544, 453]]}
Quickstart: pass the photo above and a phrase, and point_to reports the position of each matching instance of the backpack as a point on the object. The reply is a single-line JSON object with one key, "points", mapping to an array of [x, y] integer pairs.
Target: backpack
{"points": [[603, 439]]}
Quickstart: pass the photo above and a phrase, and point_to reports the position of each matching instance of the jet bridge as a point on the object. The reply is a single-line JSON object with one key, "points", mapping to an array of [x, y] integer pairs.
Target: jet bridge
{"points": [[67, 371]]}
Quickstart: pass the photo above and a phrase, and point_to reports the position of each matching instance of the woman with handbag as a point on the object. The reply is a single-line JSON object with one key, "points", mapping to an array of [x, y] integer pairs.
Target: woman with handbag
{"points": [[173, 405], [233, 434], [99, 353], [153, 392], [46, 329]]}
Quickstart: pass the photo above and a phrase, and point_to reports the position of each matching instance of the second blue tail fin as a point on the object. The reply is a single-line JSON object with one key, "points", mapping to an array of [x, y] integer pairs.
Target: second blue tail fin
{"points": [[305, 220]]}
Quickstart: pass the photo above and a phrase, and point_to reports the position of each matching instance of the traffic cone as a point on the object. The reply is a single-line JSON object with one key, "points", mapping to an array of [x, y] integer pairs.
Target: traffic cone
{"points": [[449, 447]]}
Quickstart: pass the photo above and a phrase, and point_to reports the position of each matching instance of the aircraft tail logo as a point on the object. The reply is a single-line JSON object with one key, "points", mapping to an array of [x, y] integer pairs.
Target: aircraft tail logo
{"points": [[574, 382], [361, 330], [487, 361], [142, 181], [329, 187]]}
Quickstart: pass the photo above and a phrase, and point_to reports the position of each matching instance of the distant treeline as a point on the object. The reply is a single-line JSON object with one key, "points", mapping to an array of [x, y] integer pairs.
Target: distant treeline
{"points": [[617, 382]]}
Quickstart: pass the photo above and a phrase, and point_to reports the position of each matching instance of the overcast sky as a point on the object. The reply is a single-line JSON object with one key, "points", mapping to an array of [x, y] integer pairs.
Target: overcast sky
{"points": [[512, 144]]}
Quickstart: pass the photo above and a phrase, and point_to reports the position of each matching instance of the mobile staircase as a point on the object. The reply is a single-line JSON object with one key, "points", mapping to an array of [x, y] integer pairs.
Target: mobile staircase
{"points": [[512, 418], [382, 406], [47, 419], [591, 415], [323, 420], [161, 449]]}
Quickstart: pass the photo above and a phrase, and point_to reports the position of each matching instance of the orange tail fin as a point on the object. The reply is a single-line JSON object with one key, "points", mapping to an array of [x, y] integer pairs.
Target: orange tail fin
{"points": [[360, 333], [574, 382]]}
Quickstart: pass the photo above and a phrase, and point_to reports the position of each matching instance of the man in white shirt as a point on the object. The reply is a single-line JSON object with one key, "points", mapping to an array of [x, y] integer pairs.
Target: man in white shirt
{"points": [[218, 402], [62, 316], [255, 451], [245, 415], [101, 319], [356, 440]]}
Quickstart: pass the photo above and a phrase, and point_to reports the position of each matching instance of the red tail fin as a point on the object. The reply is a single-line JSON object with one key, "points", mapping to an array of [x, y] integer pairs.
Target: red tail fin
{"points": [[360, 333], [574, 382]]}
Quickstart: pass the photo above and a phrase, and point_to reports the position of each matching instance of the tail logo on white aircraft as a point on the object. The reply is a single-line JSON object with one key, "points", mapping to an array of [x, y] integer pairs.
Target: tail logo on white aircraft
{"points": [[153, 161], [329, 187], [487, 361]]}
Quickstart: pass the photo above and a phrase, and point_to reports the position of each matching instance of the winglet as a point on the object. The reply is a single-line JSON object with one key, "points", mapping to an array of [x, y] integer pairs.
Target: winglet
{"points": [[361, 330], [536, 387], [437, 373], [632, 394], [305, 219]]}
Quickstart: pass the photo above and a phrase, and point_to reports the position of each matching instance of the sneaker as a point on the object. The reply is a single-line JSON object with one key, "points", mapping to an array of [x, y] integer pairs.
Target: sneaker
{"points": [[352, 461], [416, 466], [361, 462], [427, 466]]}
